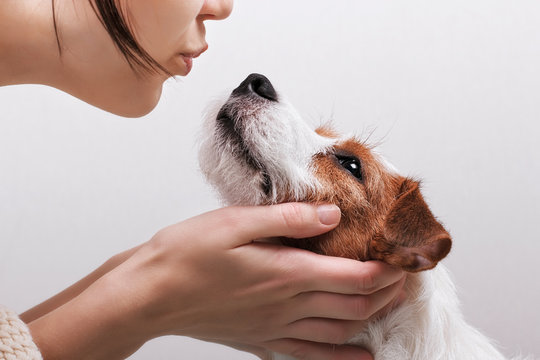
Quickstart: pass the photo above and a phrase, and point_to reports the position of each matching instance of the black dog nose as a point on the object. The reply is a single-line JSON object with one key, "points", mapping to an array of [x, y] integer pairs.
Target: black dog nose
{"points": [[258, 84]]}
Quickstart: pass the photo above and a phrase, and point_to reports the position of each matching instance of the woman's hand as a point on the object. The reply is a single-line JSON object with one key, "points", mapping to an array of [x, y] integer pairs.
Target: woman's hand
{"points": [[206, 278]]}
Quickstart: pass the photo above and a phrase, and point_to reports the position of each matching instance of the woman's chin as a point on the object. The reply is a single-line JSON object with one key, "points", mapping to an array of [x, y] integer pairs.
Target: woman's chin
{"points": [[133, 104]]}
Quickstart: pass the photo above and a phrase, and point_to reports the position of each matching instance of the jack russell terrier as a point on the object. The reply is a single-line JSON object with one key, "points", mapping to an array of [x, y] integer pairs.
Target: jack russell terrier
{"points": [[257, 150]]}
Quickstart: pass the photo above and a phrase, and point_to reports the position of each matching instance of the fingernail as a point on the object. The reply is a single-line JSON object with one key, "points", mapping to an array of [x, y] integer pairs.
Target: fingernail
{"points": [[328, 214]]}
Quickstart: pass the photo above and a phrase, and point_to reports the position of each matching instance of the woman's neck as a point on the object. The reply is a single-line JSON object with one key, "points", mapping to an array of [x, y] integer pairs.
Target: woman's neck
{"points": [[89, 66], [28, 49]]}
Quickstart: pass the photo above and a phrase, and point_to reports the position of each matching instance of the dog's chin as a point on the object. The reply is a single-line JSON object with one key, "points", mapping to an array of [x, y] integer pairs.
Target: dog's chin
{"points": [[228, 131]]}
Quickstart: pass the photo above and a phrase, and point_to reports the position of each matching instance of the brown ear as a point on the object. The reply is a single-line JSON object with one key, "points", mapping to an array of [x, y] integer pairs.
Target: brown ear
{"points": [[412, 238]]}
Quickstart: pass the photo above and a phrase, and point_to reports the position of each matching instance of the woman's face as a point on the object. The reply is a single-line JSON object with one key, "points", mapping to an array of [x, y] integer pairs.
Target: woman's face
{"points": [[172, 32]]}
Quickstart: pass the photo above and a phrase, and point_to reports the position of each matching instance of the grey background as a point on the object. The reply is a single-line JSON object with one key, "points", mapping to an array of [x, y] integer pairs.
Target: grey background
{"points": [[450, 88]]}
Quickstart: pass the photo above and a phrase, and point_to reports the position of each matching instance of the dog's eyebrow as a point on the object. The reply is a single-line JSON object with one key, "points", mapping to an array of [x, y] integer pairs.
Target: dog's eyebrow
{"points": [[338, 151]]}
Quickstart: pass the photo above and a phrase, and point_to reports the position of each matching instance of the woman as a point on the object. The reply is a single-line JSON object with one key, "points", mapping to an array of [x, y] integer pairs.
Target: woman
{"points": [[255, 297]]}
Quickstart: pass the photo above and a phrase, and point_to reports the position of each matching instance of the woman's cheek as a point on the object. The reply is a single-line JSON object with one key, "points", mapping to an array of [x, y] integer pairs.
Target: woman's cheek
{"points": [[159, 24]]}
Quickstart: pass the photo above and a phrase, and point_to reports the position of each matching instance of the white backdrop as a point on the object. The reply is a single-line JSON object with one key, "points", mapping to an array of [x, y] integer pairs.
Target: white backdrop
{"points": [[451, 87]]}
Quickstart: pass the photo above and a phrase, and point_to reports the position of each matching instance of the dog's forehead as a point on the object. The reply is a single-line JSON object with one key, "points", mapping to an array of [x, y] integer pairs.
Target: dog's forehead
{"points": [[347, 143], [355, 147]]}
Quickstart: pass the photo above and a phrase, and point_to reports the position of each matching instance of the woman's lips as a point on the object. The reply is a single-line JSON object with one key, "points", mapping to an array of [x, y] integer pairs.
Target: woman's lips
{"points": [[189, 56], [188, 62]]}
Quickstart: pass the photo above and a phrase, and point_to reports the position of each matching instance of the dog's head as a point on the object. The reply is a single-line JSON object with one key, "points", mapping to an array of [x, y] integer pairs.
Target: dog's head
{"points": [[257, 150]]}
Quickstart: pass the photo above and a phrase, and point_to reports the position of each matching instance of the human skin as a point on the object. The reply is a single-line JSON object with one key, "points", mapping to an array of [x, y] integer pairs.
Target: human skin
{"points": [[204, 277], [90, 67]]}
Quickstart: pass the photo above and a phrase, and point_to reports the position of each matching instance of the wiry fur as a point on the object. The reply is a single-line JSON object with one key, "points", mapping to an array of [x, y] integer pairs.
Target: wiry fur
{"points": [[268, 133], [428, 326], [384, 217]]}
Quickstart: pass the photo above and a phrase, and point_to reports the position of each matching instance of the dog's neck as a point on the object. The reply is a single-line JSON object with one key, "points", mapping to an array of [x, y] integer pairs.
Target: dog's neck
{"points": [[429, 325]]}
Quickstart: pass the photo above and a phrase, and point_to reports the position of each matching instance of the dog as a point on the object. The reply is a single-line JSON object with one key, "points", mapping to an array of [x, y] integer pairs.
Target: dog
{"points": [[257, 150]]}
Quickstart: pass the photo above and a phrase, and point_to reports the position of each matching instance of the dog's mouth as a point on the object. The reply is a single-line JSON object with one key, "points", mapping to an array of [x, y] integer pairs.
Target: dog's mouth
{"points": [[262, 148], [231, 130], [233, 121]]}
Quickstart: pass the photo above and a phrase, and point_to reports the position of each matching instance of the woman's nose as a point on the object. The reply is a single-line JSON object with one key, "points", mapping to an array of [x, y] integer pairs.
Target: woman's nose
{"points": [[216, 9]]}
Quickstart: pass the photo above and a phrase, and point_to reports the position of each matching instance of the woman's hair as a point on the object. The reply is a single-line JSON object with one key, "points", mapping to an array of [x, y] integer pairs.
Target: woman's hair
{"points": [[114, 21]]}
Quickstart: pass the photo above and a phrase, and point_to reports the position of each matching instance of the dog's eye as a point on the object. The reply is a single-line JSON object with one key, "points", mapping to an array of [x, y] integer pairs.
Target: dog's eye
{"points": [[351, 164]]}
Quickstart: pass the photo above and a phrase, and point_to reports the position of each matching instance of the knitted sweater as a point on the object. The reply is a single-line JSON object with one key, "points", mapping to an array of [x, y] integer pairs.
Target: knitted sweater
{"points": [[15, 339]]}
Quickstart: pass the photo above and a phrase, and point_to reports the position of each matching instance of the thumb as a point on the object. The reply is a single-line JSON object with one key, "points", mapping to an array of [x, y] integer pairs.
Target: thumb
{"points": [[294, 220]]}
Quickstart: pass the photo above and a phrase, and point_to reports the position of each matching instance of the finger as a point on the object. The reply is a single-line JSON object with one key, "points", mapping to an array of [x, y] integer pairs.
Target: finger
{"points": [[305, 350], [310, 272], [345, 276], [294, 220], [344, 307]]}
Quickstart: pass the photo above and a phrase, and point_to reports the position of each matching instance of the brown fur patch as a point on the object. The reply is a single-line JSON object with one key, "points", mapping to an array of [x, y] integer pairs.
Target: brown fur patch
{"points": [[384, 216]]}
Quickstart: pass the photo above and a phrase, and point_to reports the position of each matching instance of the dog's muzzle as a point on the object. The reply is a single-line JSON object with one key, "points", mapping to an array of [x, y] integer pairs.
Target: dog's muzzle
{"points": [[256, 88]]}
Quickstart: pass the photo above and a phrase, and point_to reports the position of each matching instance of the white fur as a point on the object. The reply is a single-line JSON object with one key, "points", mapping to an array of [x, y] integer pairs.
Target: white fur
{"points": [[277, 136], [429, 325]]}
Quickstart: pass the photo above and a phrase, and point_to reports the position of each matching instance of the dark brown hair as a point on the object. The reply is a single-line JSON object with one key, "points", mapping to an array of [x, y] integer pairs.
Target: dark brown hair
{"points": [[114, 21]]}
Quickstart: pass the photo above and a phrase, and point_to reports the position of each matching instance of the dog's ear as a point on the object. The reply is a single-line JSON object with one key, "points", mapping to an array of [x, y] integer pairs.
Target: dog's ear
{"points": [[412, 238]]}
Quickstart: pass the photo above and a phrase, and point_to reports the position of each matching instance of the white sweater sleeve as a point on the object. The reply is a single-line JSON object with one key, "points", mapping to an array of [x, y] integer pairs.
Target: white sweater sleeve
{"points": [[15, 339]]}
